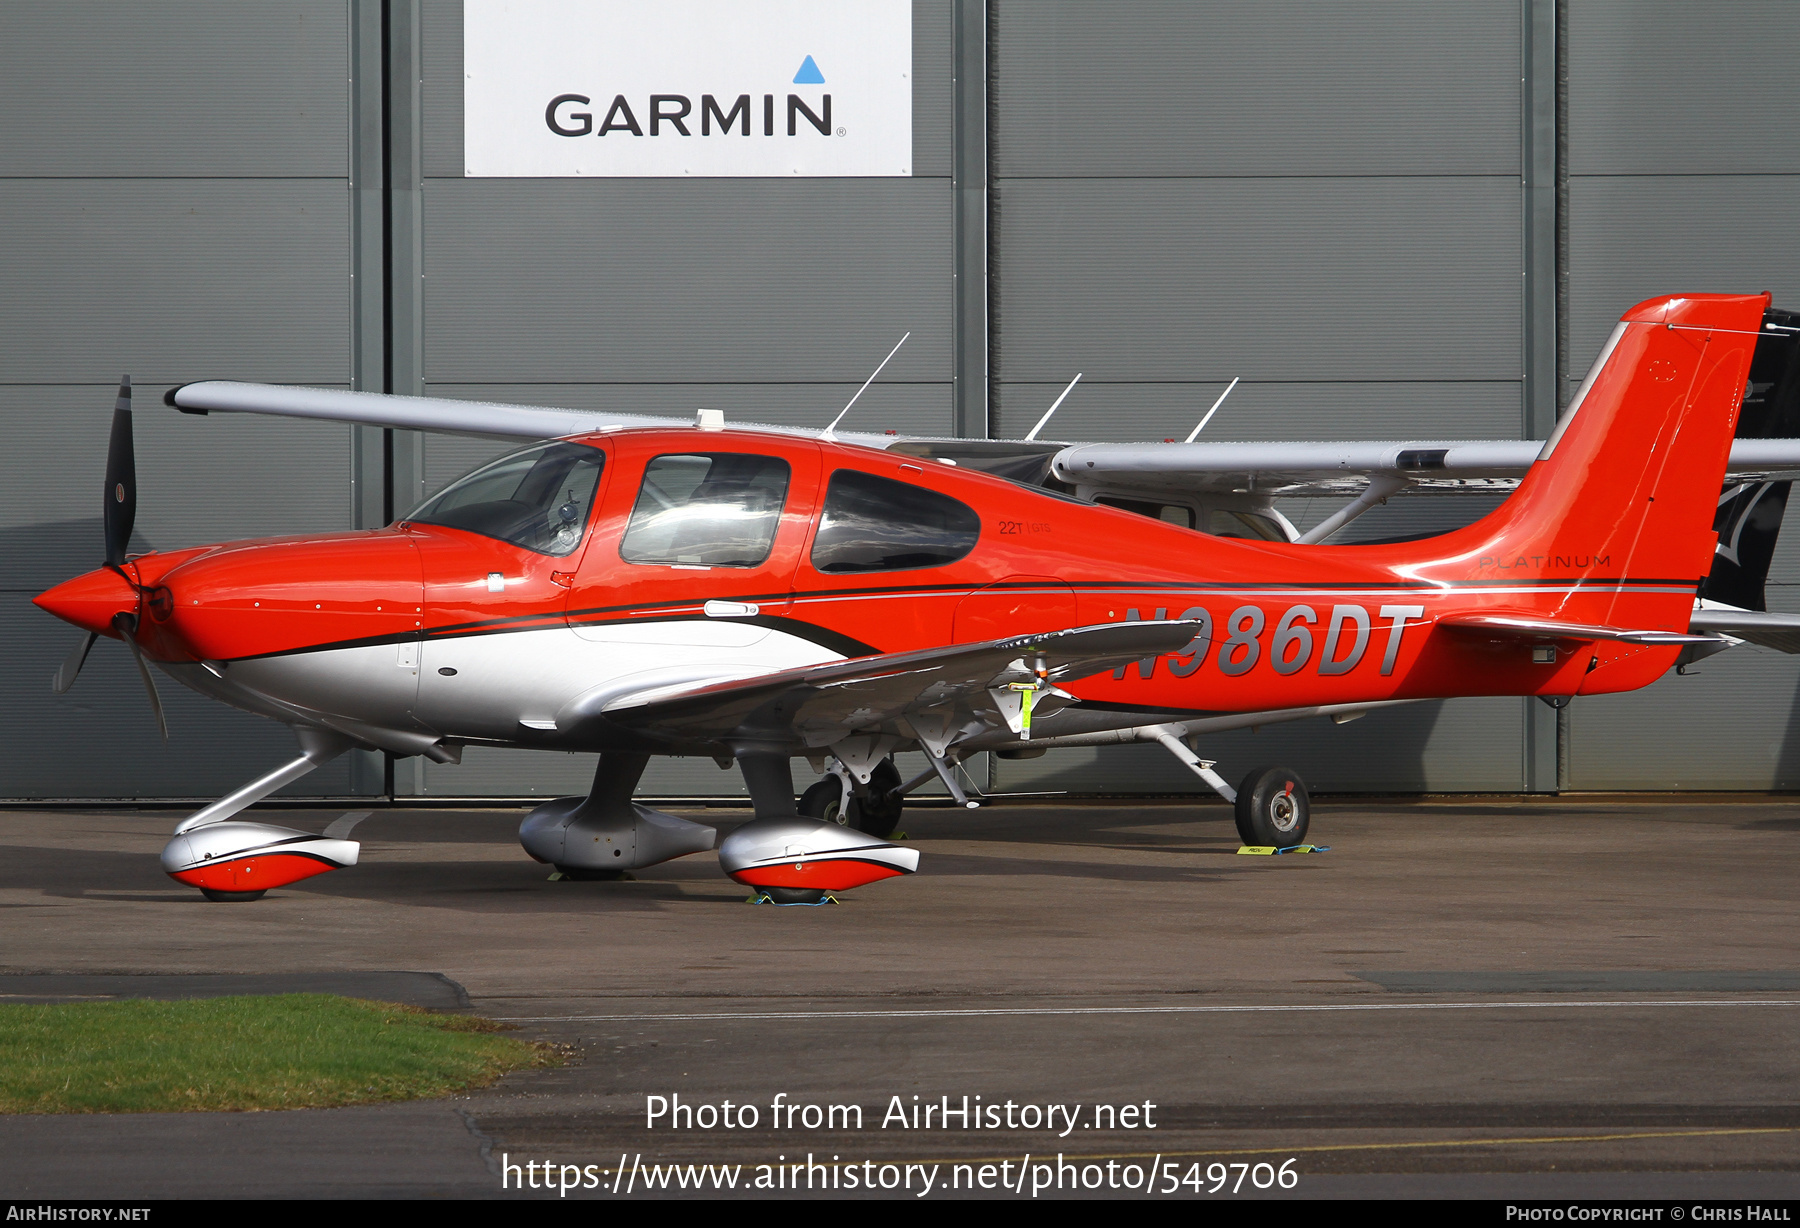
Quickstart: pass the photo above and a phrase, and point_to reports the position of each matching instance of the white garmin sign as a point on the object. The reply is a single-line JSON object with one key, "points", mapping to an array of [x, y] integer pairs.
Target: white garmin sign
{"points": [[561, 88]]}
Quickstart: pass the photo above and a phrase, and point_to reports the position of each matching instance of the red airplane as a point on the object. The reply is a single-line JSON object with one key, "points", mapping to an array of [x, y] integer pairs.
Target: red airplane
{"points": [[758, 595]]}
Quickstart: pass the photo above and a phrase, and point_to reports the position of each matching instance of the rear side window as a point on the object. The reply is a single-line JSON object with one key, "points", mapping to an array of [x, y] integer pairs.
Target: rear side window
{"points": [[877, 524], [707, 509]]}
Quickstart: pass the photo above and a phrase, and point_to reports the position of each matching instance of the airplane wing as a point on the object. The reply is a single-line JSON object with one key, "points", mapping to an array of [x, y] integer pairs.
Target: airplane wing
{"points": [[1307, 469], [1274, 469], [485, 418], [1778, 631], [821, 705]]}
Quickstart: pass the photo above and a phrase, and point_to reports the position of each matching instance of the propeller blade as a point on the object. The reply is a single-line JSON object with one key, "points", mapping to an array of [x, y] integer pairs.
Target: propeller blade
{"points": [[71, 666], [120, 514], [127, 627]]}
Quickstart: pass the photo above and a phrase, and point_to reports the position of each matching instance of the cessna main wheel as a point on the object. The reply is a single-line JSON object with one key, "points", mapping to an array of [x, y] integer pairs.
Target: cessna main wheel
{"points": [[794, 895], [231, 897], [1273, 808], [874, 809], [878, 811]]}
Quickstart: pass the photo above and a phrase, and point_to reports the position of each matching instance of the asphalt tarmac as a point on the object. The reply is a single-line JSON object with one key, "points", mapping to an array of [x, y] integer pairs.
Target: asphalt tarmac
{"points": [[1545, 998]]}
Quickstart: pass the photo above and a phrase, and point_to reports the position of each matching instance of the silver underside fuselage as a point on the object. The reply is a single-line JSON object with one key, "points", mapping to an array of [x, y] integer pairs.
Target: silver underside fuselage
{"points": [[510, 689]]}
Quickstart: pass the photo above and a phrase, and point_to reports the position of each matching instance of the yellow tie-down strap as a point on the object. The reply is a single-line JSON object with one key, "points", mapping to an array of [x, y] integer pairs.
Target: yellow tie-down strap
{"points": [[1264, 850]]}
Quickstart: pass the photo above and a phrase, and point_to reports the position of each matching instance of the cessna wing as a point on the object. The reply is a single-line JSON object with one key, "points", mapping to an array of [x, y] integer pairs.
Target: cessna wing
{"points": [[1272, 469], [1768, 630], [1284, 470], [932, 695]]}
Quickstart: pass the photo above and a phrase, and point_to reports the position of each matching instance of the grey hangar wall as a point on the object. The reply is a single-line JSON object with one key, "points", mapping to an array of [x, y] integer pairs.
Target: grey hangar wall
{"points": [[1390, 219]]}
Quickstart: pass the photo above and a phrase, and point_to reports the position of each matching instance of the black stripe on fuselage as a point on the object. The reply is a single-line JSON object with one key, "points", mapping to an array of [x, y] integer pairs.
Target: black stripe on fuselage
{"points": [[824, 637], [827, 638]]}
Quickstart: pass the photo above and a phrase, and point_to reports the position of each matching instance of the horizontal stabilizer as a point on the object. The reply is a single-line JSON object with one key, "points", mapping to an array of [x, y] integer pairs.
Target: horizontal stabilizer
{"points": [[1778, 631], [1550, 629]]}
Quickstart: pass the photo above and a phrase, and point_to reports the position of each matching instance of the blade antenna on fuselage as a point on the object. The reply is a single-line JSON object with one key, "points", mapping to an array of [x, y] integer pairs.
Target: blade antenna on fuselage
{"points": [[877, 371], [1042, 422], [1195, 433]]}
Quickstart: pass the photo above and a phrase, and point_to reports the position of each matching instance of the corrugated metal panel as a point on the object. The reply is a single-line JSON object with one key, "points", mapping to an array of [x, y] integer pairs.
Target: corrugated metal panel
{"points": [[1108, 412], [934, 81], [1673, 87], [1307, 88], [100, 741], [200, 479], [720, 280], [1271, 279], [1735, 724], [181, 87], [174, 280], [1462, 745], [1635, 236], [441, 88], [486, 772], [442, 22]]}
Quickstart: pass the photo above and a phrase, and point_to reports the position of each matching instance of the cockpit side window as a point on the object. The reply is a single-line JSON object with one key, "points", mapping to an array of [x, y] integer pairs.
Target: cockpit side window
{"points": [[871, 523], [539, 498], [707, 509]]}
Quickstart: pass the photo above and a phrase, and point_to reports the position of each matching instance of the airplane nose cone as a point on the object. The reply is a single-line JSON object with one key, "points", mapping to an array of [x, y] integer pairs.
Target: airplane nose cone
{"points": [[90, 601]]}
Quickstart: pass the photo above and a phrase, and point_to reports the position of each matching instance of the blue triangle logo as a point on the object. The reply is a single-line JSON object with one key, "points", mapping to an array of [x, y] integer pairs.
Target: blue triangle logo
{"points": [[809, 74]]}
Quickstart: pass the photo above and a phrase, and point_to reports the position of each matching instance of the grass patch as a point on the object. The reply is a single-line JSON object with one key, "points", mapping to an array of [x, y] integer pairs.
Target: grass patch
{"points": [[286, 1051]]}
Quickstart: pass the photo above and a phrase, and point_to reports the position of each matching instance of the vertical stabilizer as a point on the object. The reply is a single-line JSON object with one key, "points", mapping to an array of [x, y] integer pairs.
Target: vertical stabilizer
{"points": [[1627, 486]]}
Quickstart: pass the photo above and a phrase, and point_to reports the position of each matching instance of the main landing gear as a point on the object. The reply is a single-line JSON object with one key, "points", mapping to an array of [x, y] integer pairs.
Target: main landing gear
{"points": [[1272, 807], [795, 858], [873, 808]]}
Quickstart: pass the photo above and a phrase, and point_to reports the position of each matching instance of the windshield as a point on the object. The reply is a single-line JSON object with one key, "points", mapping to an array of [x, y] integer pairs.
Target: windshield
{"points": [[538, 498]]}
